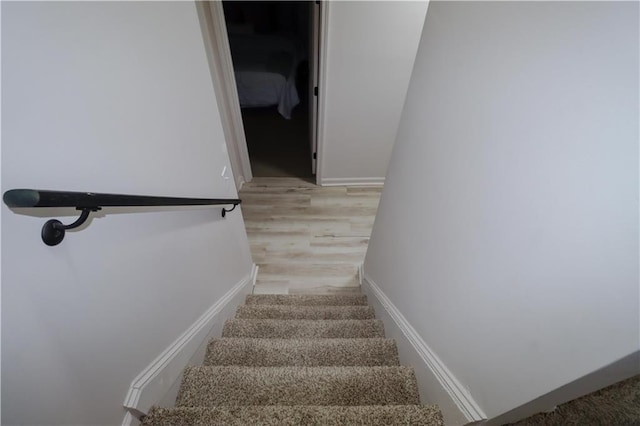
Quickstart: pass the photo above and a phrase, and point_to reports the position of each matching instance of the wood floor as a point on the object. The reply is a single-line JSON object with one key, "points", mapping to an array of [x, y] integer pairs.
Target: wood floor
{"points": [[306, 238]]}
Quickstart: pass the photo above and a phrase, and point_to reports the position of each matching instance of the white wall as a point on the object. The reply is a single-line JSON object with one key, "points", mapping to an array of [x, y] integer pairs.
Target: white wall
{"points": [[107, 97], [371, 46], [507, 233]]}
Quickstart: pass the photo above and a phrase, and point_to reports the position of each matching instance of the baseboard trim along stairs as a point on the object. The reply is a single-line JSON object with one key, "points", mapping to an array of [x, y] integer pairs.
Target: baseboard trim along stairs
{"points": [[362, 181], [157, 379], [300, 360], [454, 400]]}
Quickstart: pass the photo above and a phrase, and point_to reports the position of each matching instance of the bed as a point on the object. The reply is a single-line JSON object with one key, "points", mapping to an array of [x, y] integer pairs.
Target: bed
{"points": [[265, 71]]}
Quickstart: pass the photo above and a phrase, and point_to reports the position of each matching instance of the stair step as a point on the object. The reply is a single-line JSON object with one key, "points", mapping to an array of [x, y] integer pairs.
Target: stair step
{"points": [[210, 386], [306, 299], [303, 329], [370, 415], [302, 352], [304, 312]]}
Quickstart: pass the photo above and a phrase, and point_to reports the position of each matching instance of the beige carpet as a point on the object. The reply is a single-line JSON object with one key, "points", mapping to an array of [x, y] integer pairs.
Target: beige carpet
{"points": [[305, 312], [300, 360], [273, 415], [616, 405]]}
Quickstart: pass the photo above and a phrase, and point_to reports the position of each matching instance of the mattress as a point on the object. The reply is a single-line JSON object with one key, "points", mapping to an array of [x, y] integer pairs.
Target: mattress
{"points": [[265, 71]]}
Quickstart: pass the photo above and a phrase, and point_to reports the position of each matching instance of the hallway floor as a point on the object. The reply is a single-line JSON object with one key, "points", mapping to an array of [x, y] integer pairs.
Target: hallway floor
{"points": [[306, 238]]}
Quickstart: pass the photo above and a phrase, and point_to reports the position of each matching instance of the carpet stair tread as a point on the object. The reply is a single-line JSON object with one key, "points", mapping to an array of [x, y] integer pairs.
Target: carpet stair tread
{"points": [[300, 360], [207, 386], [274, 415], [305, 312], [303, 329], [302, 352], [306, 299]]}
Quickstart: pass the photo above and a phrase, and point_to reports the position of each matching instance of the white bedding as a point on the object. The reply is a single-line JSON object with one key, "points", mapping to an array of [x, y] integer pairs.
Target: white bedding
{"points": [[265, 71]]}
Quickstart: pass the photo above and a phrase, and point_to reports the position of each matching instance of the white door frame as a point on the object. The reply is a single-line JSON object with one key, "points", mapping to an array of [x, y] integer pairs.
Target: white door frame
{"points": [[314, 56], [217, 44], [322, 86], [214, 31]]}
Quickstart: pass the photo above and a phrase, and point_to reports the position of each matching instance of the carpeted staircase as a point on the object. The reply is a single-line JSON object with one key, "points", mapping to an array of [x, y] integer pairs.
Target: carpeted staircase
{"points": [[300, 360]]}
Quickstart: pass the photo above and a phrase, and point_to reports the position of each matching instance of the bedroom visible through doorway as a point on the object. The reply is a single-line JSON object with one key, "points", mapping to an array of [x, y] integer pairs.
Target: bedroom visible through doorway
{"points": [[271, 46]]}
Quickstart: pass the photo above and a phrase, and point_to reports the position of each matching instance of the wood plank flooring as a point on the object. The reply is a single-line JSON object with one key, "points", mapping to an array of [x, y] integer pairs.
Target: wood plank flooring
{"points": [[307, 238]]}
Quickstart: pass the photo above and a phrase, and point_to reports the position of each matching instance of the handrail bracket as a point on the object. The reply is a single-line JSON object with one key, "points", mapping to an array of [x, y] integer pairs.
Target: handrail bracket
{"points": [[53, 230], [225, 211]]}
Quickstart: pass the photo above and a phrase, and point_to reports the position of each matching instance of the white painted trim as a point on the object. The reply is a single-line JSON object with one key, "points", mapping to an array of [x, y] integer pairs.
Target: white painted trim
{"points": [[322, 86], [363, 181], [157, 379], [130, 420], [224, 80], [254, 276], [455, 390], [314, 64], [240, 183], [220, 28]]}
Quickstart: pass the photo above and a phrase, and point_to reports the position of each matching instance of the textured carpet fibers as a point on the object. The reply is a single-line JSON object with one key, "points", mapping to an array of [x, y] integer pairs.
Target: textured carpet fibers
{"points": [[303, 329], [273, 415], [302, 352], [305, 312], [616, 405], [211, 386], [300, 360], [307, 300]]}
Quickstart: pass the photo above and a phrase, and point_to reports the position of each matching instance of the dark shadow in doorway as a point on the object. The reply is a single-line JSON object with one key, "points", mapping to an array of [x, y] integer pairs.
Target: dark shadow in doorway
{"points": [[278, 147]]}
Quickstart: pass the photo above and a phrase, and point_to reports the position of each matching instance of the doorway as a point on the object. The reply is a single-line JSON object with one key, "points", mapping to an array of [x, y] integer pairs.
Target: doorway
{"points": [[273, 46]]}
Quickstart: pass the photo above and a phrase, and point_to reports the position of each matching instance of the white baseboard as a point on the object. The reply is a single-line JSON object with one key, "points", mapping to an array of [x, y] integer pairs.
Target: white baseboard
{"points": [[363, 181], [130, 420], [437, 384], [240, 183], [151, 385]]}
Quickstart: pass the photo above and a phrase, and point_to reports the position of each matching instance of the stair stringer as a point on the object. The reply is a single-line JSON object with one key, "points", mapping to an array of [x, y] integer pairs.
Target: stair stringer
{"points": [[161, 378], [437, 384]]}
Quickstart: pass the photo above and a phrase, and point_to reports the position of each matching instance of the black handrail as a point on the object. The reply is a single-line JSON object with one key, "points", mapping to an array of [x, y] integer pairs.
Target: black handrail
{"points": [[53, 230]]}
